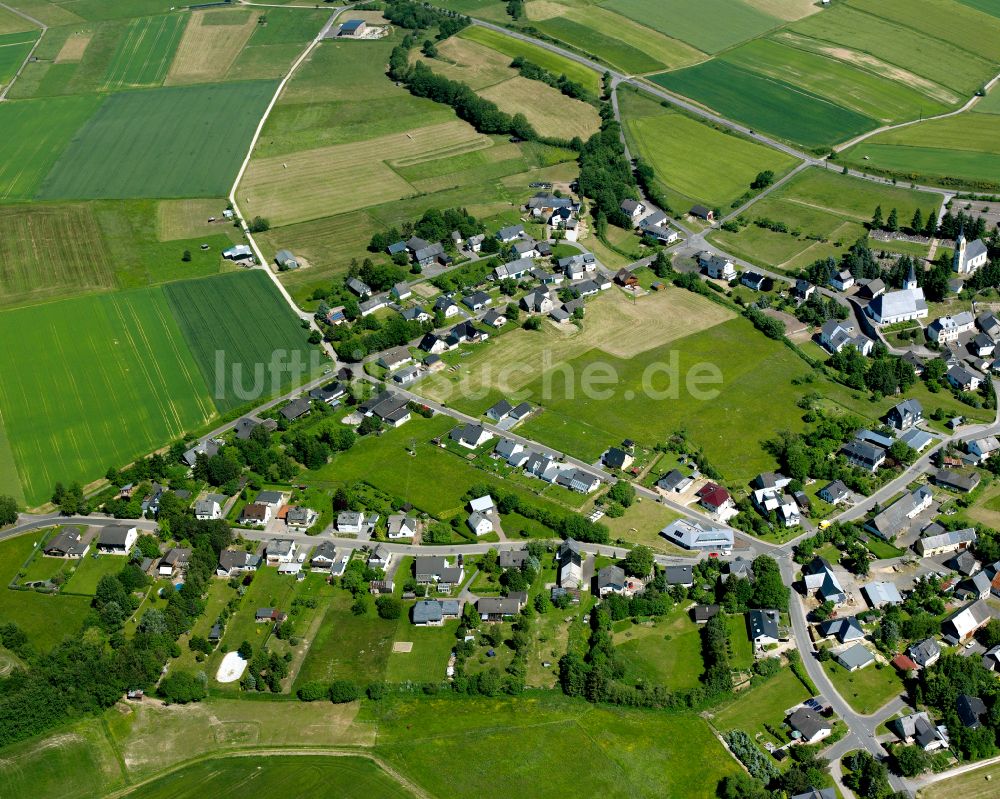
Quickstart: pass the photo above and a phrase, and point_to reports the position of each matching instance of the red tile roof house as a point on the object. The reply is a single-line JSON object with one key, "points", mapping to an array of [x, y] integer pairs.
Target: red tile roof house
{"points": [[904, 663], [714, 497]]}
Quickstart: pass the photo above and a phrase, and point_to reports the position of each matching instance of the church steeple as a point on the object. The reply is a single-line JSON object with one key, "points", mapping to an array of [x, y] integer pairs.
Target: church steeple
{"points": [[911, 278], [958, 260]]}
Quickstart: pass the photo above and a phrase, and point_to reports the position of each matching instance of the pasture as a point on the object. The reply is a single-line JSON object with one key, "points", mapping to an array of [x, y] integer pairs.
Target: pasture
{"points": [[36, 132], [964, 148], [242, 320], [45, 618], [871, 95], [274, 46], [957, 68], [764, 103], [306, 776], [14, 48], [694, 162], [127, 384], [144, 52], [169, 142], [710, 25], [471, 63], [548, 110], [11, 22], [553, 62], [47, 11], [211, 43], [521, 743], [616, 39]]}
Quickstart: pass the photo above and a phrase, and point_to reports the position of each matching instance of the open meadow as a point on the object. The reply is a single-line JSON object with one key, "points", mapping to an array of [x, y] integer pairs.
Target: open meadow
{"points": [[127, 383], [663, 651], [694, 163], [548, 110], [826, 209], [169, 142]]}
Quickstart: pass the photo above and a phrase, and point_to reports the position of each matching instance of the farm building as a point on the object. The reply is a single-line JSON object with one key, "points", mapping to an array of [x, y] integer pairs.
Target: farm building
{"points": [[353, 28]]}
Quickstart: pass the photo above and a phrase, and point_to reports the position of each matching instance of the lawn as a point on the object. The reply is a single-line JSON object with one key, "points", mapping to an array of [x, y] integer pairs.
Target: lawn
{"points": [[963, 148], [308, 776], [45, 618], [553, 62], [865, 690], [90, 571], [741, 649], [428, 659], [170, 142], [710, 25], [263, 352], [663, 652], [144, 52], [524, 744], [693, 160], [641, 524], [768, 104], [127, 383], [349, 647], [764, 704], [35, 134]]}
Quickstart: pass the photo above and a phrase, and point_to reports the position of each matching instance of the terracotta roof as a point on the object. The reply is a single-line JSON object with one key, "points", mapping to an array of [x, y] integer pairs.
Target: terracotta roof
{"points": [[904, 663], [714, 495]]}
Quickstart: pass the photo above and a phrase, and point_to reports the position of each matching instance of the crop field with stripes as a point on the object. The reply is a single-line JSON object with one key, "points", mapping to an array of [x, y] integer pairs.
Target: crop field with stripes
{"points": [[145, 52]]}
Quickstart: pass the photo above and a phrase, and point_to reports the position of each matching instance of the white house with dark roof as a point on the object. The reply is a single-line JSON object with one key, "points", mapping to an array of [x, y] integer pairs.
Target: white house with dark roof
{"points": [[899, 306], [699, 535], [946, 329], [969, 256], [117, 539]]}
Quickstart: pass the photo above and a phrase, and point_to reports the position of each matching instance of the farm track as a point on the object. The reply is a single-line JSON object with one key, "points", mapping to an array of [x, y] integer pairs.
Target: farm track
{"points": [[31, 52]]}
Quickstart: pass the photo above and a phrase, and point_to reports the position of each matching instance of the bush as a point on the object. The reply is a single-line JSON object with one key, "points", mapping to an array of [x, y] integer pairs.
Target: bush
{"points": [[182, 687], [312, 691], [388, 607], [342, 691]]}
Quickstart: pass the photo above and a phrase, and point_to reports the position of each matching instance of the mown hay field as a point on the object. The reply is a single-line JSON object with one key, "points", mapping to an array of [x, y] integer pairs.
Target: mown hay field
{"points": [[549, 111], [212, 41]]}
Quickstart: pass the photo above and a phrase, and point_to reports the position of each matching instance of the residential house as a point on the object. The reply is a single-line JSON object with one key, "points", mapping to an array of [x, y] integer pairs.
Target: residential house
{"points": [[949, 328], [753, 280], [508, 234], [494, 319], [300, 518], [526, 248], [768, 497], [715, 499], [818, 793], [863, 455], [434, 612], [989, 324], [415, 313], [855, 657], [438, 571], [470, 435], [662, 233], [356, 522], [280, 550], [625, 278], [238, 252], [513, 558], [537, 301], [578, 480], [207, 448], [480, 523], [905, 415], [845, 629], [376, 303], [819, 577], [446, 307], [803, 289], [897, 517], [407, 375], [498, 608], [208, 508], [359, 288], [266, 615], [328, 394], [808, 726], [964, 378], [633, 209], [401, 526], [296, 409], [991, 660], [917, 729], [611, 580], [951, 541], [696, 534], [679, 575], [880, 594], [569, 564], [834, 492], [970, 710], [982, 346], [983, 448], [673, 481], [117, 539], [379, 557], [401, 291], [174, 561], [924, 653], [482, 504], [499, 411], [764, 627], [68, 543], [871, 289], [955, 480], [617, 458], [842, 280], [390, 408], [395, 357], [323, 557], [964, 562], [702, 613], [716, 266], [236, 561], [739, 568], [914, 361], [477, 301], [702, 212]]}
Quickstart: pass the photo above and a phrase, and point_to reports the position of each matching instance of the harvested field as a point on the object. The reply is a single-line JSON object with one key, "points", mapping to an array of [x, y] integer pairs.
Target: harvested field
{"points": [[211, 43], [549, 111], [474, 64], [185, 219], [74, 47]]}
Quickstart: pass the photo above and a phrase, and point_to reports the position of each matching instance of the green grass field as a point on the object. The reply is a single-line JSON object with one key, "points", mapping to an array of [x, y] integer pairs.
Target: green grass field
{"points": [[90, 571], [14, 48], [710, 25], [308, 776], [36, 132], [106, 378], [243, 317], [170, 142], [827, 209], [694, 163], [521, 744], [964, 148], [861, 91], [665, 652], [741, 649], [764, 704], [45, 618], [429, 657], [145, 52], [766, 103], [867, 689]]}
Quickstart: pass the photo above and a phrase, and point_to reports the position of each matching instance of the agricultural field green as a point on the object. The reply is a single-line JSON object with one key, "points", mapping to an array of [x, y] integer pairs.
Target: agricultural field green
{"points": [[170, 142], [14, 48], [36, 132], [45, 618], [987, 6], [864, 92], [127, 384], [859, 37], [243, 317], [829, 211], [963, 149], [710, 25], [11, 22], [306, 776], [694, 163], [766, 103], [145, 51], [273, 47]]}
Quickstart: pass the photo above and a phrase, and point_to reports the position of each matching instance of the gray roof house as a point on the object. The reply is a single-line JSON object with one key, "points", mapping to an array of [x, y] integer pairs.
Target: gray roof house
{"points": [[905, 414], [925, 653], [855, 657], [610, 580], [897, 517], [764, 627], [846, 629]]}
